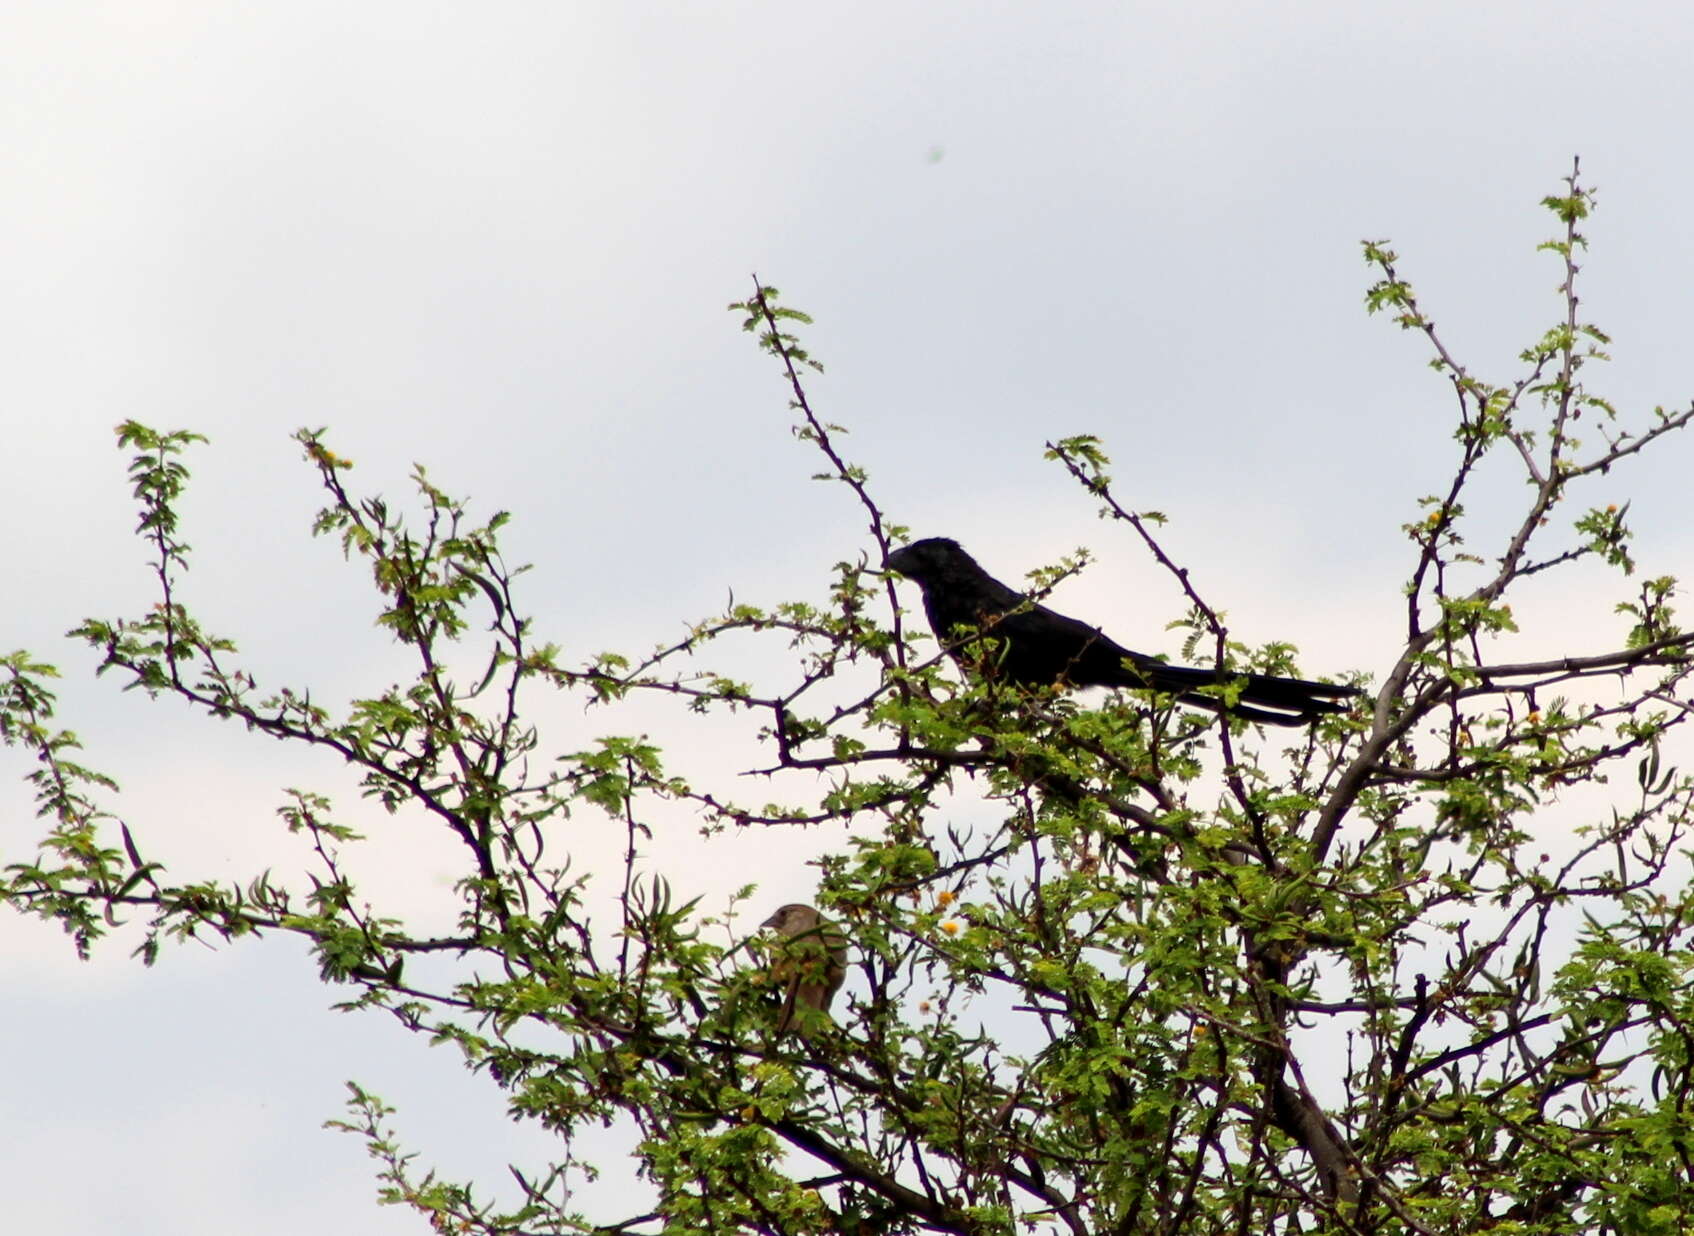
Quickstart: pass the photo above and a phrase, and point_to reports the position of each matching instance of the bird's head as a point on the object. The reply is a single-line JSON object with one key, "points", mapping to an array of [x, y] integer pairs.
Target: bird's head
{"points": [[927, 559], [794, 919]]}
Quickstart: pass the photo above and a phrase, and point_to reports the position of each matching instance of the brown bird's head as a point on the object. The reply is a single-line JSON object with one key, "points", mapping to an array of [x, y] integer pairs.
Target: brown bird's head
{"points": [[794, 919]]}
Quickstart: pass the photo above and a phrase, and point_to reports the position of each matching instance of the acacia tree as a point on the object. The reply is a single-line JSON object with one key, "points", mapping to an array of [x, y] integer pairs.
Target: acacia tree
{"points": [[1116, 966]]}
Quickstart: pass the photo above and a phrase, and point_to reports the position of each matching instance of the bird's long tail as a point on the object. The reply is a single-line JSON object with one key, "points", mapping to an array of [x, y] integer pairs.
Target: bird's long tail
{"points": [[1277, 701]]}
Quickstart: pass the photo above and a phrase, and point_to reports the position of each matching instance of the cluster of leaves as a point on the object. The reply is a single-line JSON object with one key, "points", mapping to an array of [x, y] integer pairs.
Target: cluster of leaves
{"points": [[1116, 967]]}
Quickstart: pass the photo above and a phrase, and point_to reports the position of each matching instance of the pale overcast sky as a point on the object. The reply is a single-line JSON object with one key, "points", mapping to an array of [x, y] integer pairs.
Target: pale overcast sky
{"points": [[497, 240]]}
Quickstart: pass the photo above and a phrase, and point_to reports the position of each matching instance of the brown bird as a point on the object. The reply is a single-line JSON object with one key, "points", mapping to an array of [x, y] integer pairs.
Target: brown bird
{"points": [[811, 961]]}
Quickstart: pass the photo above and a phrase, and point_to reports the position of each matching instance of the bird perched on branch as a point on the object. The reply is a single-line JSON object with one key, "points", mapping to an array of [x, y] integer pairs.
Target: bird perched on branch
{"points": [[1036, 647], [811, 961]]}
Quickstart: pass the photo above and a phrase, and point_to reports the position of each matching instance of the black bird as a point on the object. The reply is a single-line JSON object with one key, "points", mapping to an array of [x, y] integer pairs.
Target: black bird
{"points": [[1036, 646]]}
